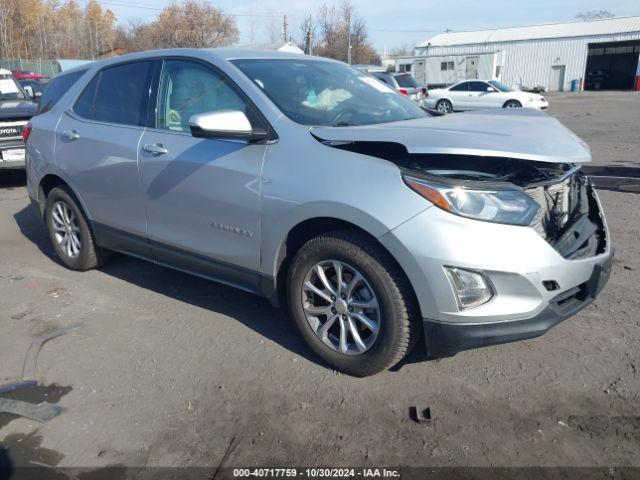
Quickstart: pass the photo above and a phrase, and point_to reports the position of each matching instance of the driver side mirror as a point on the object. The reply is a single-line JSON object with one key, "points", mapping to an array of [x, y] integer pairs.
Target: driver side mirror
{"points": [[225, 124], [29, 91], [491, 89]]}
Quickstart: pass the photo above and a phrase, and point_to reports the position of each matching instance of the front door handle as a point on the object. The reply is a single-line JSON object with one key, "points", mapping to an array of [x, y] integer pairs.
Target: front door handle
{"points": [[155, 149], [70, 135]]}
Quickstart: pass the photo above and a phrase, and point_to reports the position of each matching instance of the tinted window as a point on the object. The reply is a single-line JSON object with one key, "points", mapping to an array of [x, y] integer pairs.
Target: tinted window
{"points": [[117, 95], [478, 86], [84, 104], [56, 89], [315, 92], [382, 78], [188, 88], [461, 87], [406, 81]]}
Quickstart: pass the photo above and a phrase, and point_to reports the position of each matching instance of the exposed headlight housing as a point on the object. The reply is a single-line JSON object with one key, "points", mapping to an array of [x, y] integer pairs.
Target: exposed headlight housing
{"points": [[509, 206], [472, 289]]}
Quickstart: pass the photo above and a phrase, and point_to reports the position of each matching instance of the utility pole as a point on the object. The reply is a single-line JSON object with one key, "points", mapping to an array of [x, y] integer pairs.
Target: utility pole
{"points": [[284, 29], [349, 38], [307, 38]]}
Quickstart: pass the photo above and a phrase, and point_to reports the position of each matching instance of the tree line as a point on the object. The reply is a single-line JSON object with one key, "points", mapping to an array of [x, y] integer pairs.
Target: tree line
{"points": [[53, 29]]}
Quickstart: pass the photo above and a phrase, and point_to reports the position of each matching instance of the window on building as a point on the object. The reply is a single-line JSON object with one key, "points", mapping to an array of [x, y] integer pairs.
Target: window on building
{"points": [[444, 66]]}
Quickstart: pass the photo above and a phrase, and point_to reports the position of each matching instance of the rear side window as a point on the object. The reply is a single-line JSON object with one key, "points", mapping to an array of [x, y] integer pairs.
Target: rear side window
{"points": [[117, 95], [56, 89], [462, 87]]}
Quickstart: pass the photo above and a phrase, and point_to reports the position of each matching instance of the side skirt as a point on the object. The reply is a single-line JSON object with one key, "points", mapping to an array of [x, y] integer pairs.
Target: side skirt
{"points": [[184, 261]]}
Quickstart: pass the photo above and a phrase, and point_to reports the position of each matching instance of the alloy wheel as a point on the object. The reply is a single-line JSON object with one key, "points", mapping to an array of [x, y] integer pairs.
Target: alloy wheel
{"points": [[66, 230], [444, 107], [341, 307]]}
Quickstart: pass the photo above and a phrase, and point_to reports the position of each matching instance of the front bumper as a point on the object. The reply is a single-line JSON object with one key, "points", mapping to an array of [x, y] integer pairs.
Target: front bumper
{"points": [[447, 338], [535, 287]]}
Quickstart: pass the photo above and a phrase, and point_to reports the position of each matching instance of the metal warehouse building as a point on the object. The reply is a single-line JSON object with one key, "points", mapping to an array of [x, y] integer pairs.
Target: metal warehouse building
{"points": [[599, 54]]}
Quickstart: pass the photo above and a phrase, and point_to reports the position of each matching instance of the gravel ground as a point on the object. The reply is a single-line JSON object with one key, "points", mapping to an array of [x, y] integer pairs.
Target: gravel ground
{"points": [[172, 370]]}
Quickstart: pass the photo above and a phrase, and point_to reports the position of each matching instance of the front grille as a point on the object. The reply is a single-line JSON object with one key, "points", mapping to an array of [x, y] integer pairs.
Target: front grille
{"points": [[569, 217]]}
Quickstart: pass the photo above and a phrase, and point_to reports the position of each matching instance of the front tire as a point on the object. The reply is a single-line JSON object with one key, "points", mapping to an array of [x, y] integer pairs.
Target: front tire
{"points": [[69, 232], [351, 303], [512, 104]]}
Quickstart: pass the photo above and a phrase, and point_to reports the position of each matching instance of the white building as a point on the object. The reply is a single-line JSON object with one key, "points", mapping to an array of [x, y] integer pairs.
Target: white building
{"points": [[600, 54]]}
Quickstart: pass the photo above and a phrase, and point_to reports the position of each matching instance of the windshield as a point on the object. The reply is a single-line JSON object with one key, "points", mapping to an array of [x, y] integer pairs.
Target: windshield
{"points": [[319, 93], [406, 81], [501, 86], [9, 89]]}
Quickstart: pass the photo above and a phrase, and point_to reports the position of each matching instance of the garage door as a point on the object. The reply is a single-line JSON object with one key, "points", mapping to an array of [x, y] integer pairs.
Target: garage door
{"points": [[612, 66]]}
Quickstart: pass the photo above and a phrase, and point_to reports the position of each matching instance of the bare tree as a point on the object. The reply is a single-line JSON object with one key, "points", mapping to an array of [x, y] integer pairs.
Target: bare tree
{"points": [[403, 50], [594, 15], [308, 34]]}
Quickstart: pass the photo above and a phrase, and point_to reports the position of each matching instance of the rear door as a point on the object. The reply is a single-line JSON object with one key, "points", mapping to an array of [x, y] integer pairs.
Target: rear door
{"points": [[97, 148], [202, 195]]}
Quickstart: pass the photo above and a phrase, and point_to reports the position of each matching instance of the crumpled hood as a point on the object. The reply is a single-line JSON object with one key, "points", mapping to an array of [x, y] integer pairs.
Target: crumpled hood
{"points": [[14, 109], [526, 134]]}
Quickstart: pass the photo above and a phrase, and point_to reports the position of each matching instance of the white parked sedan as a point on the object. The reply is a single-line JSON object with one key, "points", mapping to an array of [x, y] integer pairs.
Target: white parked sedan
{"points": [[478, 94]]}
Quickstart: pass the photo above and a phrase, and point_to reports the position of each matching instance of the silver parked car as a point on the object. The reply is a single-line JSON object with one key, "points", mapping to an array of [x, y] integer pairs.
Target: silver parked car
{"points": [[378, 226]]}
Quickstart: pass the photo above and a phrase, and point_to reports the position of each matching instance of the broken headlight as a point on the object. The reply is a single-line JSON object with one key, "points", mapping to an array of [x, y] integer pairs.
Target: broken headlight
{"points": [[512, 207]]}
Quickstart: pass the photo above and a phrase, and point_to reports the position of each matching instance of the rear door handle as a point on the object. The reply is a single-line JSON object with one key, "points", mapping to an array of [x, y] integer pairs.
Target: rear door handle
{"points": [[155, 149], [70, 135]]}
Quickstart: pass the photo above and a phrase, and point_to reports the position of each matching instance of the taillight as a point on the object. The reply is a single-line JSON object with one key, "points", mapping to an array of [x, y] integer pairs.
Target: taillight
{"points": [[402, 91], [26, 131], [424, 92]]}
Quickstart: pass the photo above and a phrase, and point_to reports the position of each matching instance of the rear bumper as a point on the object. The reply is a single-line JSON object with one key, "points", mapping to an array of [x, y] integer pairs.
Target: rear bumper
{"points": [[447, 338], [11, 165]]}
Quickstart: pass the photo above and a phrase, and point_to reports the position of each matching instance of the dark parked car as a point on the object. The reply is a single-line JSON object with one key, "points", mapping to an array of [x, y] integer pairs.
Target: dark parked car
{"points": [[403, 83], [33, 88]]}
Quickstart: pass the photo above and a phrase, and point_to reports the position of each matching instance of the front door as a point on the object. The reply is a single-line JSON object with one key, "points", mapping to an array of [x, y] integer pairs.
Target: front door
{"points": [[202, 196], [471, 68], [556, 84], [97, 148]]}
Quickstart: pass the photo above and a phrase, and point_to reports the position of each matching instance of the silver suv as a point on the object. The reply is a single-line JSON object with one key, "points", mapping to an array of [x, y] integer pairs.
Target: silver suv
{"points": [[378, 226]]}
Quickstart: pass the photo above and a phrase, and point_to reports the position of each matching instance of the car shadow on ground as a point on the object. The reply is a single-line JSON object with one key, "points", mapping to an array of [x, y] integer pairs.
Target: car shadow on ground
{"points": [[253, 311], [12, 178]]}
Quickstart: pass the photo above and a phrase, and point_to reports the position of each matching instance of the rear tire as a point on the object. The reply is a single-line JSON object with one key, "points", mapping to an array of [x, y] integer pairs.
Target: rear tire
{"points": [[376, 312], [69, 232], [444, 106], [512, 104]]}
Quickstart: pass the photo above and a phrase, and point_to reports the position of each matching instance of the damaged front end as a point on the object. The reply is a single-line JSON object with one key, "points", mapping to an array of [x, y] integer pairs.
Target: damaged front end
{"points": [[563, 210]]}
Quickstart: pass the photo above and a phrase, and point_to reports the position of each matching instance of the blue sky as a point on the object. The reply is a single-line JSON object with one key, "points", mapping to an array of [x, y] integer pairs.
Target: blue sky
{"points": [[390, 23]]}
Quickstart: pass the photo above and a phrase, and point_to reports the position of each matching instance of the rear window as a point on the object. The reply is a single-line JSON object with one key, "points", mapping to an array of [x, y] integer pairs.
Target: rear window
{"points": [[406, 81], [117, 95], [56, 89]]}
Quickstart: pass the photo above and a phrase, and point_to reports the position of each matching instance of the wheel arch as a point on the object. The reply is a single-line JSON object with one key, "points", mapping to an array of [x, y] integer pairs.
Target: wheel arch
{"points": [[47, 183], [512, 100], [309, 228]]}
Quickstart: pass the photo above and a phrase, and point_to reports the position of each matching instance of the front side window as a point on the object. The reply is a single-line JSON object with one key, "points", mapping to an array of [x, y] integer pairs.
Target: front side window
{"points": [[9, 89], [188, 88], [323, 93], [117, 95], [461, 87], [478, 86]]}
